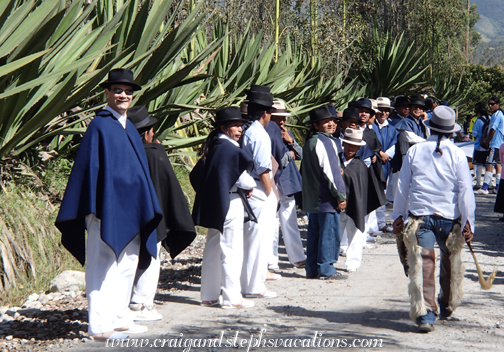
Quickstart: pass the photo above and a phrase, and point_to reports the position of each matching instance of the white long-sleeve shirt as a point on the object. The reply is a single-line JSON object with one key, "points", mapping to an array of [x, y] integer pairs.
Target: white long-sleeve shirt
{"points": [[430, 183]]}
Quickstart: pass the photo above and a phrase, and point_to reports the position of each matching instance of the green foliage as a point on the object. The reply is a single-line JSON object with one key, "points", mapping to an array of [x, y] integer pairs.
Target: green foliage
{"points": [[396, 68], [29, 244], [482, 84], [55, 65]]}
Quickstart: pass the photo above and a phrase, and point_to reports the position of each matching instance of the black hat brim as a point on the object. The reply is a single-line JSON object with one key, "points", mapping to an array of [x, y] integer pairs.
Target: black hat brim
{"points": [[218, 123], [107, 84], [151, 121]]}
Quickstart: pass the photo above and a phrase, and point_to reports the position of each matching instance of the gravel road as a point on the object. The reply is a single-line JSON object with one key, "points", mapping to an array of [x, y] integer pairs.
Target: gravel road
{"points": [[367, 311]]}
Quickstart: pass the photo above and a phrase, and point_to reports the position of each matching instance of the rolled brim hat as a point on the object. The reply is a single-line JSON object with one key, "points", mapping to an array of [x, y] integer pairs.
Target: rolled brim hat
{"points": [[140, 118], [354, 137], [365, 103], [383, 102], [443, 120], [279, 109], [401, 100], [321, 113], [231, 113], [351, 114], [260, 95], [333, 111], [417, 100], [120, 76]]}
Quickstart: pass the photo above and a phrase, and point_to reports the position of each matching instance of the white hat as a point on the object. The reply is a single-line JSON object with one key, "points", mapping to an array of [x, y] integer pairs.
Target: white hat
{"points": [[354, 137], [443, 120], [374, 105], [279, 109], [383, 102]]}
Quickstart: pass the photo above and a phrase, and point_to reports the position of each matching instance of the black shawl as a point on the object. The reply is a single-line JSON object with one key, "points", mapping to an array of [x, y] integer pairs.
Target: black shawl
{"points": [[177, 228]]}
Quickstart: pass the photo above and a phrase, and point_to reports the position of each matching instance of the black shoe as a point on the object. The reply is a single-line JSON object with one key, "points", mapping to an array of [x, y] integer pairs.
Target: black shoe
{"points": [[425, 328], [335, 276], [444, 314]]}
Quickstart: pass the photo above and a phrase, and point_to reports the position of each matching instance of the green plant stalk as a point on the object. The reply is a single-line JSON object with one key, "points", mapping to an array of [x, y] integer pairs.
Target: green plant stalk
{"points": [[277, 27]]}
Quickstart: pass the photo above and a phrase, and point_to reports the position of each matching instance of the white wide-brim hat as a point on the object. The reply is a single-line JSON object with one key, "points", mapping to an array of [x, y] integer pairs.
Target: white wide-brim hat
{"points": [[279, 109], [443, 120], [383, 102], [354, 137]]}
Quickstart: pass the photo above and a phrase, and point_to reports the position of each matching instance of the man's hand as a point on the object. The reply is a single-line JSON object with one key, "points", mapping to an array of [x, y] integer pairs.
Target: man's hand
{"points": [[341, 205], [466, 231], [384, 157], [286, 136], [398, 225], [373, 160], [249, 193]]}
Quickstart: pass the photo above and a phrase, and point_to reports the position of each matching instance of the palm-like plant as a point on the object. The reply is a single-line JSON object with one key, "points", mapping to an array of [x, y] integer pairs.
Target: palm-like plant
{"points": [[396, 70], [53, 66]]}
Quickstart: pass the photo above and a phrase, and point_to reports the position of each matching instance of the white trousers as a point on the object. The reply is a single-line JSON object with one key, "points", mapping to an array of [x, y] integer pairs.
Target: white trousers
{"points": [[146, 281], [257, 241], [392, 186], [371, 223], [381, 213], [290, 231], [109, 281], [353, 240], [223, 257]]}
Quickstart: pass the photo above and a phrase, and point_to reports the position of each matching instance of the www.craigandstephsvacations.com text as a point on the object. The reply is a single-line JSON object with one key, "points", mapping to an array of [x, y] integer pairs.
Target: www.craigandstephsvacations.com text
{"points": [[234, 340]]}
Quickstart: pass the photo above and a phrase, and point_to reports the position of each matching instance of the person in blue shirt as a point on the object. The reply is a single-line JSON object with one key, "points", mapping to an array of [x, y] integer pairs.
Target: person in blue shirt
{"points": [[494, 141], [387, 135], [430, 104], [480, 154]]}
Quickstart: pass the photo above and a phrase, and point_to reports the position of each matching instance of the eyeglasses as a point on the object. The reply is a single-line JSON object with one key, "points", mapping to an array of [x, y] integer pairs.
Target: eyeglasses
{"points": [[492, 104], [120, 90]]}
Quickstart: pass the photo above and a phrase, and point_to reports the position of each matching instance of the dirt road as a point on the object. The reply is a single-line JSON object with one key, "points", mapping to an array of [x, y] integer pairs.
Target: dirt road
{"points": [[369, 309]]}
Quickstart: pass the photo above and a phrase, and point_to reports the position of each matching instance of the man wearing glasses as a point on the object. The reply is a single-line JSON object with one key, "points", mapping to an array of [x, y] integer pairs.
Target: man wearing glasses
{"points": [[110, 194]]}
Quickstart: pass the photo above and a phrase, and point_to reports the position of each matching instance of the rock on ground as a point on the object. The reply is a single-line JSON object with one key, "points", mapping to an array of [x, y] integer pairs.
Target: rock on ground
{"points": [[68, 280]]}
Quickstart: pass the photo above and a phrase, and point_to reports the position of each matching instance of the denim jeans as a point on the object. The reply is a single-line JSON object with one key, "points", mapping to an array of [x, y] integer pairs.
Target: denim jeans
{"points": [[433, 229], [323, 244]]}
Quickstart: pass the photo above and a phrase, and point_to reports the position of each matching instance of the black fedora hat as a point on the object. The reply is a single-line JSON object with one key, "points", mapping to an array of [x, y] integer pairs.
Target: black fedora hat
{"points": [[120, 76], [231, 113], [140, 117], [260, 95], [401, 100], [321, 113], [333, 111], [351, 114], [417, 100], [365, 103]]}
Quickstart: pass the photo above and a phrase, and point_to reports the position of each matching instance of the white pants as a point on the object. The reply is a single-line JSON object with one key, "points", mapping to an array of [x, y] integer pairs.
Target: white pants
{"points": [[109, 281], [257, 241], [381, 213], [146, 282], [391, 186], [290, 231], [353, 240], [371, 223], [223, 257]]}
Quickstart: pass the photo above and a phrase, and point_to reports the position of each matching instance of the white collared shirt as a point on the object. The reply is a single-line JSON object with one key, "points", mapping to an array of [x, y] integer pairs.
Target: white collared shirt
{"points": [[121, 118], [430, 183], [245, 181]]}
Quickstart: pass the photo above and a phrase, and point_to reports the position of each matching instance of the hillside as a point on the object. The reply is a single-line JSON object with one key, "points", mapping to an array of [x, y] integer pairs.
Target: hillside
{"points": [[491, 23], [491, 27]]}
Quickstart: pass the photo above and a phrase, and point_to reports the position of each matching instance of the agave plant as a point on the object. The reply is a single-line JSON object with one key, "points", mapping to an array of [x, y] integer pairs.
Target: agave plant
{"points": [[51, 67], [397, 69], [453, 91]]}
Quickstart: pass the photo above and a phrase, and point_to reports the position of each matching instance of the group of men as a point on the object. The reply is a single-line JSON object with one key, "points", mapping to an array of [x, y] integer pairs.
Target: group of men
{"points": [[351, 164]]}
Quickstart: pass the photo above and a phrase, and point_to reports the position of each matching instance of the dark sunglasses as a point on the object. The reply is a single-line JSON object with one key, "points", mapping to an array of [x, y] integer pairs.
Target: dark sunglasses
{"points": [[120, 90], [492, 104]]}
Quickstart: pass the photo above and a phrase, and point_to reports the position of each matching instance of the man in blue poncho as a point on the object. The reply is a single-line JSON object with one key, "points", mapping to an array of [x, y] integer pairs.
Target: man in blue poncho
{"points": [[110, 194]]}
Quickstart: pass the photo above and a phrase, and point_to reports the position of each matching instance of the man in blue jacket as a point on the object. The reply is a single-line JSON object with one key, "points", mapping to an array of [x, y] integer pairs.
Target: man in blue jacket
{"points": [[110, 194], [387, 135]]}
